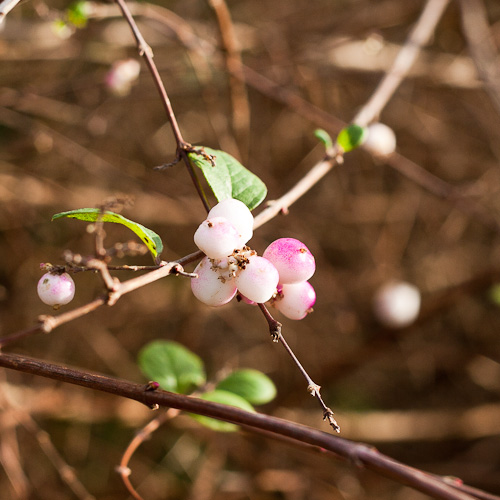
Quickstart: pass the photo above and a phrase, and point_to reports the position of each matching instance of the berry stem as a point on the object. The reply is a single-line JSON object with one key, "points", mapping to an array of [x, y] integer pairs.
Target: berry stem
{"points": [[312, 387]]}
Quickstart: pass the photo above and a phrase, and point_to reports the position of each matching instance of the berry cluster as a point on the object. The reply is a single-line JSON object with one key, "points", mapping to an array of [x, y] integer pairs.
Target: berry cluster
{"points": [[231, 267]]}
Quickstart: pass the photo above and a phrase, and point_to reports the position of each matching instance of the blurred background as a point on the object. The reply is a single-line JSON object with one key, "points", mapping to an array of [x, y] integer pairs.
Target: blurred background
{"points": [[426, 394]]}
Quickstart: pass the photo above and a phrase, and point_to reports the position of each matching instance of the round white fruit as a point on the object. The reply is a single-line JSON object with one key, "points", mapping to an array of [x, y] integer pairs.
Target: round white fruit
{"points": [[217, 238], [296, 300], [397, 304], [238, 214], [56, 289], [380, 140], [258, 281], [209, 287]]}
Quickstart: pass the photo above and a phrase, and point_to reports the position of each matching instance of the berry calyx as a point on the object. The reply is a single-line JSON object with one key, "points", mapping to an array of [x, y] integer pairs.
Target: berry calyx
{"points": [[56, 289]]}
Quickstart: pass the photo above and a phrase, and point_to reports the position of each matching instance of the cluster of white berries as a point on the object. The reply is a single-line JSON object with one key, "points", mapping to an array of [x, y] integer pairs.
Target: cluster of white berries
{"points": [[230, 267]]}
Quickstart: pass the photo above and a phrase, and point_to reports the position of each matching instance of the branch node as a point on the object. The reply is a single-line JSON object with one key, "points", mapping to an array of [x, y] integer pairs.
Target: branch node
{"points": [[123, 471], [47, 323], [152, 386]]}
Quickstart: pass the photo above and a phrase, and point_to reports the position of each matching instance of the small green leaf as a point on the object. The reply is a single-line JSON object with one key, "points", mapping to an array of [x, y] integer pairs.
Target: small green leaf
{"points": [[229, 178], [351, 137], [494, 294], [149, 237], [77, 14], [174, 367], [324, 137], [252, 385], [225, 398]]}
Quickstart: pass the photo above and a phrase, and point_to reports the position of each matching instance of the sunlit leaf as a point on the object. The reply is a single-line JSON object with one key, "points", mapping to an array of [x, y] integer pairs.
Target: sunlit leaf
{"points": [[149, 237], [225, 398], [228, 178], [252, 385], [174, 367], [351, 137]]}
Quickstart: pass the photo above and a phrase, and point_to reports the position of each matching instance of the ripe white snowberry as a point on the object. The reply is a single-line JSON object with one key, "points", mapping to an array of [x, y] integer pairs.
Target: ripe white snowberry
{"points": [[56, 289], [216, 237], [397, 304], [380, 139], [238, 214], [258, 280], [293, 260], [210, 287], [296, 300], [122, 75]]}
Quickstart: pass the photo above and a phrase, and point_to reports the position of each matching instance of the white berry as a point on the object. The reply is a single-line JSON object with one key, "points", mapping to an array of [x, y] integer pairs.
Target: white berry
{"points": [[210, 287], [397, 304], [293, 260], [380, 139], [217, 238], [56, 289], [258, 281], [296, 300], [238, 214]]}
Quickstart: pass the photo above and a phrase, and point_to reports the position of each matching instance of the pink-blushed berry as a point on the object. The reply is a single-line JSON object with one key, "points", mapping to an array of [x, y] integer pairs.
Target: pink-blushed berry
{"points": [[56, 289]]}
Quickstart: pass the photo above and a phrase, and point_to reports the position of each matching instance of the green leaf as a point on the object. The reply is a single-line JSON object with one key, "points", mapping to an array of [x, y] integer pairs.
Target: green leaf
{"points": [[252, 385], [225, 398], [351, 137], [229, 178], [77, 14], [149, 237], [174, 367], [324, 137]]}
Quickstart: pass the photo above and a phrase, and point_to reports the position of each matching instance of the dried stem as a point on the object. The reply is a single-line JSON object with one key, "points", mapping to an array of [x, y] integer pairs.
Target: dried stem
{"points": [[123, 469], [419, 36], [312, 387]]}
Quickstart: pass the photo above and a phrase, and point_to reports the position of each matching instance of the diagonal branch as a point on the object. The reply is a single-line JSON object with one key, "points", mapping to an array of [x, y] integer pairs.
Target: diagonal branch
{"points": [[359, 454]]}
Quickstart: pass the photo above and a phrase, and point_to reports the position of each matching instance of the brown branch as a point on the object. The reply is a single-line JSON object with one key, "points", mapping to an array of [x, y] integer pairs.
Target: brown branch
{"points": [[359, 454], [234, 66], [419, 36], [481, 46]]}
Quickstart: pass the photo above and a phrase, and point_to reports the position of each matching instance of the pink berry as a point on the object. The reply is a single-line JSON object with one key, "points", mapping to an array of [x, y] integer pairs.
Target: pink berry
{"points": [[258, 281], [292, 259], [209, 287], [56, 289], [296, 300]]}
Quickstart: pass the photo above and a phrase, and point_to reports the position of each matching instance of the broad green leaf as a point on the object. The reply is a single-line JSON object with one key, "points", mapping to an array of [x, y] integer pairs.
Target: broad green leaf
{"points": [[225, 398], [174, 367], [149, 237], [229, 178], [351, 137], [324, 137], [252, 385]]}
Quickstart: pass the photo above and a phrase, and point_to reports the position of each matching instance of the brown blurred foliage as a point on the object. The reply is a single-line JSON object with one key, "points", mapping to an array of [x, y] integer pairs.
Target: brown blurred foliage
{"points": [[427, 395]]}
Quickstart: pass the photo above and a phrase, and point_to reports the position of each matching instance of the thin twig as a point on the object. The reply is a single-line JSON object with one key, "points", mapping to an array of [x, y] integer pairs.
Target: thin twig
{"points": [[312, 387], [419, 36], [234, 66], [123, 469], [481, 46]]}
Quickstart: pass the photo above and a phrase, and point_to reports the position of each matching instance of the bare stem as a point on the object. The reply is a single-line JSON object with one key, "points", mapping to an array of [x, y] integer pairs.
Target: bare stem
{"points": [[123, 469], [419, 36], [312, 387]]}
